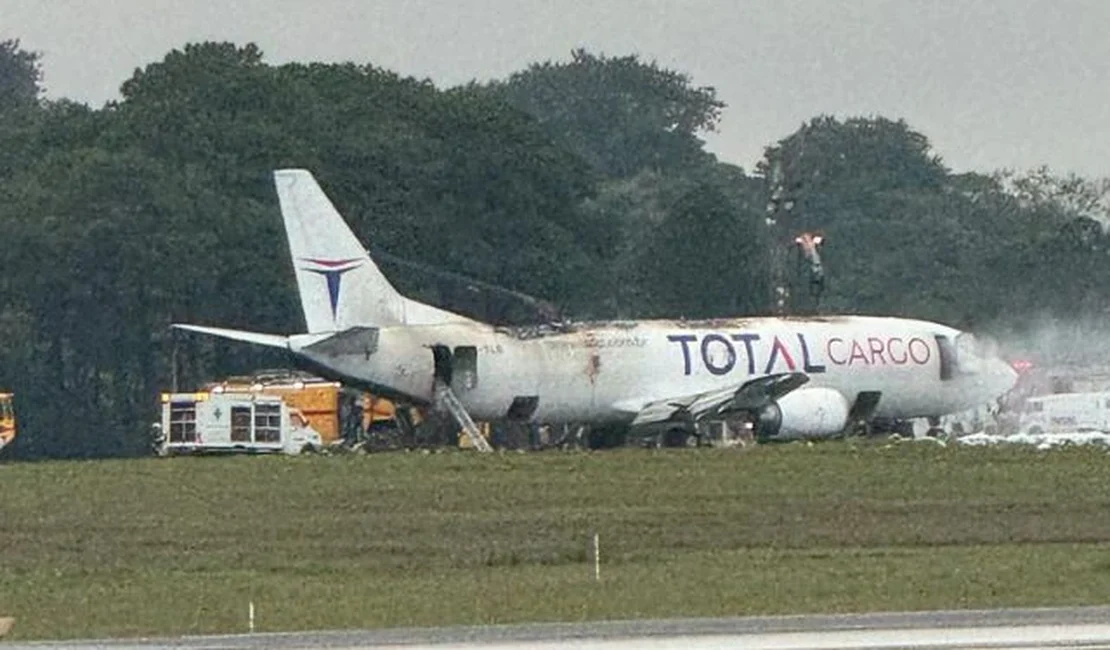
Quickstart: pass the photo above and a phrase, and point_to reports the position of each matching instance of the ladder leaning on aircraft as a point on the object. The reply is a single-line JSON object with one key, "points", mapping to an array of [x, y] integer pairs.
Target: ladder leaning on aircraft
{"points": [[793, 377]]}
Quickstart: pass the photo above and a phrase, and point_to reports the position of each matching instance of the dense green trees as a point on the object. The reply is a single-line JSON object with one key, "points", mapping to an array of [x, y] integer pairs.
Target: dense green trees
{"points": [[583, 182], [20, 75], [618, 114]]}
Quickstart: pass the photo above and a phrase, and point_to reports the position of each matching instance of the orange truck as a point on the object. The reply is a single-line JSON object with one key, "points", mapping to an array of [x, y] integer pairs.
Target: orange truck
{"points": [[7, 419]]}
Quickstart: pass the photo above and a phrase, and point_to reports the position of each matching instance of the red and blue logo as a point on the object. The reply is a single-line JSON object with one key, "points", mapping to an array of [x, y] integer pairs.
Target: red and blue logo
{"points": [[333, 271]]}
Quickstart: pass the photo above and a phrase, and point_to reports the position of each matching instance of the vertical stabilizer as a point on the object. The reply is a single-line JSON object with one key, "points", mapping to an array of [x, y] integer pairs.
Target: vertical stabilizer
{"points": [[340, 285]]}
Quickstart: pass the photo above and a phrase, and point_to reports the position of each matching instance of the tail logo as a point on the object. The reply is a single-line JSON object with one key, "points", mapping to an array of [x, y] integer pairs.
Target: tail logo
{"points": [[333, 271]]}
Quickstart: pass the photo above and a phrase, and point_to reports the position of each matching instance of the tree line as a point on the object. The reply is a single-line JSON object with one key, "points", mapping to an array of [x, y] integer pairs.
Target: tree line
{"points": [[584, 182]]}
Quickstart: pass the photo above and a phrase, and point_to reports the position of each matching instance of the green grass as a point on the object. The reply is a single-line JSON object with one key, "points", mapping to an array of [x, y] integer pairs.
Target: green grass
{"points": [[172, 546]]}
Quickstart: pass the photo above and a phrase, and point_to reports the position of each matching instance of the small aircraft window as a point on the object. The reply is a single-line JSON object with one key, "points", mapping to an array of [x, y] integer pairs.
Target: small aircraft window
{"points": [[1034, 407]]}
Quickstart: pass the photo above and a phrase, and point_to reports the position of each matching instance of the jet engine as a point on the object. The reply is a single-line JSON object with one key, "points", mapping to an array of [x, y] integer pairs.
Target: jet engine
{"points": [[803, 413]]}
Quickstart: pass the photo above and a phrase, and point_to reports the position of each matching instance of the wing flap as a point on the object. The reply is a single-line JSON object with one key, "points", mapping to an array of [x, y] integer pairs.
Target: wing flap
{"points": [[748, 396]]}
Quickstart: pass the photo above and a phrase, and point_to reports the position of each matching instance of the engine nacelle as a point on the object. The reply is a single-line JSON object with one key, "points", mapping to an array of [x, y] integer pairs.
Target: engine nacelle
{"points": [[803, 413]]}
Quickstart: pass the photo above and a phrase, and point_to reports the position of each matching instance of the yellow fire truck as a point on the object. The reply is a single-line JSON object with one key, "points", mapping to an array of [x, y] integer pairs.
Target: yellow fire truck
{"points": [[7, 419], [335, 412], [308, 405]]}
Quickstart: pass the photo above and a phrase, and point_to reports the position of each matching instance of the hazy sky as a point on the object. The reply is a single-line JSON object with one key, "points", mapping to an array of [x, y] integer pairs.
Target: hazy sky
{"points": [[1004, 83]]}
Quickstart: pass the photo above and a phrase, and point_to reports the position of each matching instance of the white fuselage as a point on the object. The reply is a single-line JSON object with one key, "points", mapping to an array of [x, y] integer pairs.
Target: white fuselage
{"points": [[596, 372]]}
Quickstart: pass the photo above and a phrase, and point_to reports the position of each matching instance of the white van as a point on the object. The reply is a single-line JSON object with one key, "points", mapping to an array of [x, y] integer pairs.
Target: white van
{"points": [[1066, 412]]}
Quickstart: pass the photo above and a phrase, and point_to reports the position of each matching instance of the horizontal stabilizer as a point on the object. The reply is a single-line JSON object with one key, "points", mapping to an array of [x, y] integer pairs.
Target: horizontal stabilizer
{"points": [[356, 340], [269, 340]]}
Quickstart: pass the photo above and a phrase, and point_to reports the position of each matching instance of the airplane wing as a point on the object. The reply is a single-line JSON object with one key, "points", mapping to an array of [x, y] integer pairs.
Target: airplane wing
{"points": [[748, 396]]}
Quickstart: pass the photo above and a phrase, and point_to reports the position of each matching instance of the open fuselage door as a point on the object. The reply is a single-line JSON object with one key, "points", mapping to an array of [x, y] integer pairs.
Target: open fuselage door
{"points": [[458, 370]]}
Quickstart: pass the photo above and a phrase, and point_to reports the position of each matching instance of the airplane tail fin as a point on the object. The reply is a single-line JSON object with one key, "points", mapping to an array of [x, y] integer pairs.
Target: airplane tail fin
{"points": [[340, 285]]}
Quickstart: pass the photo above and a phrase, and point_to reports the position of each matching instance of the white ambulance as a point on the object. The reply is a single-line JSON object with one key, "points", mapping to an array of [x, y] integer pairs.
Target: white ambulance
{"points": [[232, 422], [1066, 412]]}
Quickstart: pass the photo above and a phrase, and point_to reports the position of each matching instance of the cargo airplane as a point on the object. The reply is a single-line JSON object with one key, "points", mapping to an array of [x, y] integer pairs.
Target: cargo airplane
{"points": [[790, 377]]}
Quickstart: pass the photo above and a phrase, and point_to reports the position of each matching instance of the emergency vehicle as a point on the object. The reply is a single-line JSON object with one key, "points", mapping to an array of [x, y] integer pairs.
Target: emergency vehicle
{"points": [[1066, 412], [232, 422], [338, 414], [7, 419]]}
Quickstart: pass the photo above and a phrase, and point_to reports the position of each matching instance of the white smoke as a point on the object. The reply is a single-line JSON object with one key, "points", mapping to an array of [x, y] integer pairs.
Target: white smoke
{"points": [[1048, 341]]}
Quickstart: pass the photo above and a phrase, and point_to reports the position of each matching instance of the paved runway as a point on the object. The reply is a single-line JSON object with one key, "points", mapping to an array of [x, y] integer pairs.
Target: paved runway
{"points": [[1087, 627]]}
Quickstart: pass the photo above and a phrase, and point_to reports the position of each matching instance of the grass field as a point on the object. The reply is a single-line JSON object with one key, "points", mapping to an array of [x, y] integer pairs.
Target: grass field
{"points": [[168, 546]]}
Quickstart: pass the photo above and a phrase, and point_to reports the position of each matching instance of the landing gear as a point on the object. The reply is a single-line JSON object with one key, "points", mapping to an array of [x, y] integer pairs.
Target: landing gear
{"points": [[904, 428], [678, 437], [861, 429]]}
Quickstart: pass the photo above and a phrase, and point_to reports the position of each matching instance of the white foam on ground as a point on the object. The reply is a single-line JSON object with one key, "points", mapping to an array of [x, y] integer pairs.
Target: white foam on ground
{"points": [[1040, 440]]}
